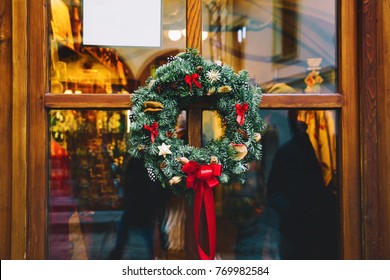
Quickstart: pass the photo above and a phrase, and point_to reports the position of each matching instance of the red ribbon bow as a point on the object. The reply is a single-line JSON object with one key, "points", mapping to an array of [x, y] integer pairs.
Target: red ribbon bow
{"points": [[240, 110], [202, 178], [194, 78], [153, 130]]}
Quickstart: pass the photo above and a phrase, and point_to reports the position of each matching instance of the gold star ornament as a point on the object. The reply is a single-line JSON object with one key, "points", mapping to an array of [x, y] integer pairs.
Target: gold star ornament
{"points": [[164, 150]]}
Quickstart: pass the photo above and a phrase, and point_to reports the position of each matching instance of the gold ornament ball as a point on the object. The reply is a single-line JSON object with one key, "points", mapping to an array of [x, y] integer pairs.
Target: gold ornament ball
{"points": [[241, 150], [183, 160], [257, 137], [175, 180], [214, 160]]}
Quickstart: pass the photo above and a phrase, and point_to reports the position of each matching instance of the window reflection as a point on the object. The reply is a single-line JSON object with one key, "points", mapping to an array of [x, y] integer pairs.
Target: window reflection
{"points": [[290, 42], [102, 203], [301, 192], [87, 159], [287, 208], [77, 68]]}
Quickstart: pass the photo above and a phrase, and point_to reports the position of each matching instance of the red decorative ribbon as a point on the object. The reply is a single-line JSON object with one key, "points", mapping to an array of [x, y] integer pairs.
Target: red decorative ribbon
{"points": [[194, 78], [240, 110], [153, 130], [202, 178]]}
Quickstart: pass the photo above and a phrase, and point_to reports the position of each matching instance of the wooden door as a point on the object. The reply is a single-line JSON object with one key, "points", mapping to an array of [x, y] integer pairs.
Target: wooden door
{"points": [[40, 101]]}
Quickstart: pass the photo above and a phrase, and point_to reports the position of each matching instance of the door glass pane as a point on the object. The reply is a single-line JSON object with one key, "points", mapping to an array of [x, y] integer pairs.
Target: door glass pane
{"points": [[77, 69], [288, 206], [103, 204], [286, 45]]}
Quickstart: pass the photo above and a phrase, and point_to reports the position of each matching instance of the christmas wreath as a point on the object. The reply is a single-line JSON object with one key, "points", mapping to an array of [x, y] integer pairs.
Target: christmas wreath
{"points": [[184, 80]]}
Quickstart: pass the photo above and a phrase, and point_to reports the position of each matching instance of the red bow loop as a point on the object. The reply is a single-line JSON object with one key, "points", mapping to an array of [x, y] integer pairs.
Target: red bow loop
{"points": [[153, 130], [209, 174], [241, 110], [194, 78], [197, 172]]}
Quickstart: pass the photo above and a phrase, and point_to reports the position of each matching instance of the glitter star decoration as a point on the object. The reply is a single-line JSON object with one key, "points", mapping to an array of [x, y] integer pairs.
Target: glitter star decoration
{"points": [[164, 150], [213, 75]]}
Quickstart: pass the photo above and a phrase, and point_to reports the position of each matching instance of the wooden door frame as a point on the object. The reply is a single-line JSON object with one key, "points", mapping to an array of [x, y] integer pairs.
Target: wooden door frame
{"points": [[33, 191], [5, 128], [374, 98]]}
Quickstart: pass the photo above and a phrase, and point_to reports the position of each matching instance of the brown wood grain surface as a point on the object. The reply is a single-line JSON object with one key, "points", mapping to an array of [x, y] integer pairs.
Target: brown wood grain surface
{"points": [[5, 128], [369, 129], [123, 101], [80, 101], [38, 141], [19, 128], [194, 118], [384, 127], [194, 24], [350, 221]]}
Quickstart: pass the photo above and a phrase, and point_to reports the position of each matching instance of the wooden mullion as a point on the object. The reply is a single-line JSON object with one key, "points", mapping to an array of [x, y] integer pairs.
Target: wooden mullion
{"points": [[194, 115], [303, 101], [87, 101], [194, 24], [123, 101]]}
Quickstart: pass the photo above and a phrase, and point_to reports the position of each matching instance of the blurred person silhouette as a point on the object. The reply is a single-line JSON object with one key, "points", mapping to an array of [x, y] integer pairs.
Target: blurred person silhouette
{"points": [[150, 215], [143, 211], [296, 191]]}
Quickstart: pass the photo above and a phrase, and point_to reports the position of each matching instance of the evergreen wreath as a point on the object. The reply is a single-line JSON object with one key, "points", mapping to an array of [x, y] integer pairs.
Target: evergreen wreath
{"points": [[184, 80]]}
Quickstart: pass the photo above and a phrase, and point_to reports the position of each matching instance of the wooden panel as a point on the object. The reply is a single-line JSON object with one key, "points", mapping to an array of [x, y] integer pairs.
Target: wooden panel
{"points": [[369, 131], [384, 127], [19, 129], [349, 170], [78, 101], [37, 131], [194, 24], [5, 128]]}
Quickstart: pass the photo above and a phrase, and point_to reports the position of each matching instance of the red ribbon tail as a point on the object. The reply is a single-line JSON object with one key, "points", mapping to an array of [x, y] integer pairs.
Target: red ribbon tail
{"points": [[205, 194], [197, 83], [211, 221]]}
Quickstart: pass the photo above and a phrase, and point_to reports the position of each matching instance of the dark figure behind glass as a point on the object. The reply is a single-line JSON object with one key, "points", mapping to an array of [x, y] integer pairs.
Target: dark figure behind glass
{"points": [[306, 207], [144, 204]]}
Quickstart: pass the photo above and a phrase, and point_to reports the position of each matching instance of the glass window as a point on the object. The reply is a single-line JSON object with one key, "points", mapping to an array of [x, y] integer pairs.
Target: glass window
{"points": [[288, 206], [287, 46], [76, 68], [87, 177], [102, 203]]}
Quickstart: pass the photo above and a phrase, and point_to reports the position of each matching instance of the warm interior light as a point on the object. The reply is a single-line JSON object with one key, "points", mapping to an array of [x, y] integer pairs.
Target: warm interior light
{"points": [[239, 35], [205, 34], [174, 35]]}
